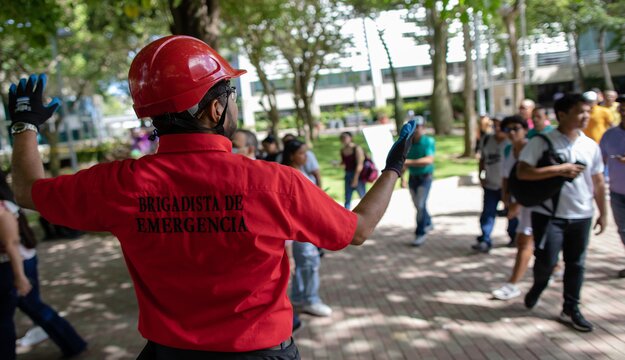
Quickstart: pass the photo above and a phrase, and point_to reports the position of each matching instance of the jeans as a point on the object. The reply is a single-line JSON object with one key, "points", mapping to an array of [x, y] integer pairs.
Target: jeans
{"points": [[419, 186], [489, 213], [617, 201], [8, 302], [551, 236], [305, 284], [57, 328], [349, 190]]}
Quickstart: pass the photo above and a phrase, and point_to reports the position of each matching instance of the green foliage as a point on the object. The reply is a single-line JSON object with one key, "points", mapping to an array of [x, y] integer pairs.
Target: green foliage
{"points": [[457, 103], [419, 107]]}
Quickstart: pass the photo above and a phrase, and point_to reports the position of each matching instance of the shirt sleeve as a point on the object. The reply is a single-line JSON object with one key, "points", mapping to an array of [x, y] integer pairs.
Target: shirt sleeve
{"points": [[311, 162], [316, 218], [507, 164], [431, 148], [76, 201], [597, 162], [532, 152]]}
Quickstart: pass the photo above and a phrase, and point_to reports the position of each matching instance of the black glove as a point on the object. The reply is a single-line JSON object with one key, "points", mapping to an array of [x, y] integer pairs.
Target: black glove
{"points": [[26, 101], [397, 155]]}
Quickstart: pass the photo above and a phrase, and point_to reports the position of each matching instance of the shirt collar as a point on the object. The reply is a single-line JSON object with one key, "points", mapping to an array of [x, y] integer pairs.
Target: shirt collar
{"points": [[193, 142]]}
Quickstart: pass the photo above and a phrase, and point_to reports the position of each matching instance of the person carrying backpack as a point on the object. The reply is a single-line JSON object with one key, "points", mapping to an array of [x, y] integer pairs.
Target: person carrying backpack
{"points": [[563, 224], [516, 127]]}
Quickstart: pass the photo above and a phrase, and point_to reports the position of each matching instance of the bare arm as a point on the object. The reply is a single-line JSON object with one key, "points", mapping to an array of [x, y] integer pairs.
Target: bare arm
{"points": [[599, 185], [373, 205], [526, 171], [26, 167], [421, 162], [10, 238]]}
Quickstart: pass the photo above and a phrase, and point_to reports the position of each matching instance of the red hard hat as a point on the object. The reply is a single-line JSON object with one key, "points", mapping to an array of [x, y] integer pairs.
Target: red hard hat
{"points": [[173, 73]]}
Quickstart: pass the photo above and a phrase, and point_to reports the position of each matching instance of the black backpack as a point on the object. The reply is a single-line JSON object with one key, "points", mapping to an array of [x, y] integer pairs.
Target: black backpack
{"points": [[536, 192]]}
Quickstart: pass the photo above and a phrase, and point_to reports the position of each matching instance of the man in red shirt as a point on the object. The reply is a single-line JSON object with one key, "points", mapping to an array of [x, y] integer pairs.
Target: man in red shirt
{"points": [[202, 230]]}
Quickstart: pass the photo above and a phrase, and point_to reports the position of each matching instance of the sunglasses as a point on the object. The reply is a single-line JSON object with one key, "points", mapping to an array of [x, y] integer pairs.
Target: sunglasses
{"points": [[512, 129]]}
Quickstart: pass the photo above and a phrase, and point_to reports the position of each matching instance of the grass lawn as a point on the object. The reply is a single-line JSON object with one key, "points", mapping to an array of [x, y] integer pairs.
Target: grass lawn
{"points": [[447, 162]]}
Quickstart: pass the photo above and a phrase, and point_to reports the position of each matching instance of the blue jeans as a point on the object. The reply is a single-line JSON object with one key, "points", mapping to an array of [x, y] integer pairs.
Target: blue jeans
{"points": [[349, 190], [617, 201], [305, 284], [57, 328], [489, 213], [419, 186]]}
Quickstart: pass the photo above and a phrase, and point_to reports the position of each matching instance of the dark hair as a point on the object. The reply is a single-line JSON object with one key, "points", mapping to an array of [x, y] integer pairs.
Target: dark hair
{"points": [[514, 119], [27, 237], [346, 133], [567, 102], [270, 139], [290, 148], [183, 122], [539, 107], [288, 137]]}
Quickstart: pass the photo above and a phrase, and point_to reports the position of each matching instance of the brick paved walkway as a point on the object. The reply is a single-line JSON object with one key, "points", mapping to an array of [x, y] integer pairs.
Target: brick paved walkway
{"points": [[390, 301]]}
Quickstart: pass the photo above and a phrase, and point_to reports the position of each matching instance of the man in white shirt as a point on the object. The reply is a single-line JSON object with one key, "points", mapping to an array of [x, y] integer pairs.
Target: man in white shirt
{"points": [[567, 227], [490, 168]]}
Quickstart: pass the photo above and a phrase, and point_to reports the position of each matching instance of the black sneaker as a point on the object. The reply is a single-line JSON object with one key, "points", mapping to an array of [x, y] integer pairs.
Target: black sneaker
{"points": [[576, 319], [621, 274], [531, 298], [481, 247]]}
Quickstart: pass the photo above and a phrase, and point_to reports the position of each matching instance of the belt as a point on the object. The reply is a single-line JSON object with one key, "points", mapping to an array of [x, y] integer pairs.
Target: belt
{"points": [[283, 345]]}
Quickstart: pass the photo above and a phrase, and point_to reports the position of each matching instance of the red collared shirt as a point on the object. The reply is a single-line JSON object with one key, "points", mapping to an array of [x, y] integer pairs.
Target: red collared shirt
{"points": [[202, 231]]}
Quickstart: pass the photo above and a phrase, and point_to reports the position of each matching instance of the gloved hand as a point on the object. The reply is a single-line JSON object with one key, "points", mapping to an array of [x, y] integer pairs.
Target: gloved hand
{"points": [[397, 155], [26, 101]]}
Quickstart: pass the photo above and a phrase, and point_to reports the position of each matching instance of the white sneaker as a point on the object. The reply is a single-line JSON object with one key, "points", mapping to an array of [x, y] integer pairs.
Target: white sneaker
{"points": [[32, 337], [506, 292], [418, 241], [317, 309]]}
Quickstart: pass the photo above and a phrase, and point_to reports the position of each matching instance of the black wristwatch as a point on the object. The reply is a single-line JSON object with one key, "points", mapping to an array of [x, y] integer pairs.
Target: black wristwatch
{"points": [[20, 127]]}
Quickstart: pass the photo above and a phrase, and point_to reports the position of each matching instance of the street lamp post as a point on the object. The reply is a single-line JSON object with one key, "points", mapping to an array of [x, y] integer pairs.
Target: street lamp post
{"points": [[61, 33]]}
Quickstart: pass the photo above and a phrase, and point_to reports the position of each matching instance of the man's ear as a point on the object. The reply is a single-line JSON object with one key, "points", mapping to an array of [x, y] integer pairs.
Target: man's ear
{"points": [[214, 113]]}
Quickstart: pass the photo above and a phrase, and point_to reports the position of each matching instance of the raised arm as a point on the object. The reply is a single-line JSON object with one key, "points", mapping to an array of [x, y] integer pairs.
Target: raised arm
{"points": [[374, 203], [27, 114]]}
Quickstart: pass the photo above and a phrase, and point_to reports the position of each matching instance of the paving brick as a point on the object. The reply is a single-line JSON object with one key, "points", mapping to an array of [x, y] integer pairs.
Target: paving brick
{"points": [[390, 301]]}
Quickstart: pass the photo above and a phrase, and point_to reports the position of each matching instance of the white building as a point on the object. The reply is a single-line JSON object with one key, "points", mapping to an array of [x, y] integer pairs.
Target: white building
{"points": [[548, 60]]}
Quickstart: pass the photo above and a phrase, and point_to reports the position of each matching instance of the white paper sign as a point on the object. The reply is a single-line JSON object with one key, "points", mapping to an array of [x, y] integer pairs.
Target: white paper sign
{"points": [[380, 140]]}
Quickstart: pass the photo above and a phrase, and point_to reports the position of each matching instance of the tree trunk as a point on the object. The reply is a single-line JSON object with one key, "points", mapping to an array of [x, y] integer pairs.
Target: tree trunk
{"points": [[398, 103], [513, 44], [440, 104], [270, 91], [54, 158], [469, 95], [578, 62], [609, 85], [197, 18]]}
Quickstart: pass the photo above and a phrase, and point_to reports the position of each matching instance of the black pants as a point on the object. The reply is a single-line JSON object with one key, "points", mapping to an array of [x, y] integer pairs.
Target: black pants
{"points": [[552, 235], [154, 351]]}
